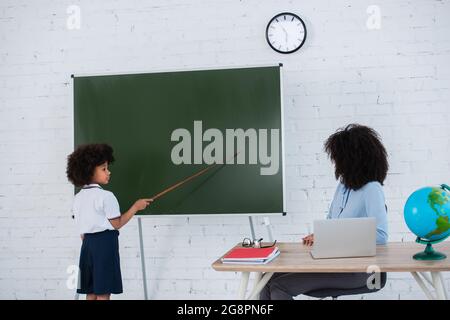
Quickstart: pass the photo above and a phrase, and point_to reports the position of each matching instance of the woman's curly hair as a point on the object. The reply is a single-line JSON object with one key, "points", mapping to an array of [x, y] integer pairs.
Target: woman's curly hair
{"points": [[82, 162], [358, 155]]}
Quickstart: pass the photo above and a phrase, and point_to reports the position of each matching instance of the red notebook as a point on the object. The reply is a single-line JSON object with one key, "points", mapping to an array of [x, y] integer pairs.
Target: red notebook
{"points": [[250, 253]]}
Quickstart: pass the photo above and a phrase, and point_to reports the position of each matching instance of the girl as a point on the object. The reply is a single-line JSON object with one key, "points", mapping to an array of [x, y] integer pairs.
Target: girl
{"points": [[98, 217]]}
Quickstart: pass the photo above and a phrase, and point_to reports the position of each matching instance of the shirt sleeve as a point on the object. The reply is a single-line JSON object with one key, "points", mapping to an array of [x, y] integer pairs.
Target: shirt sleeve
{"points": [[111, 206], [375, 207]]}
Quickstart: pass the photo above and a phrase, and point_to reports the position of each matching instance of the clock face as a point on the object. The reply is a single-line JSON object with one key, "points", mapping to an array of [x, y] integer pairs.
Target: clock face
{"points": [[286, 32]]}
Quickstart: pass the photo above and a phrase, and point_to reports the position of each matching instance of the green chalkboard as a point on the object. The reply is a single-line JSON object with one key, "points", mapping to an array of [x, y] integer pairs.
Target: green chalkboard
{"points": [[137, 114]]}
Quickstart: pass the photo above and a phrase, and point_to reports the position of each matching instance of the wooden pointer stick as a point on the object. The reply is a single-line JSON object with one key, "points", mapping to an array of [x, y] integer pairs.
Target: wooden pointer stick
{"points": [[182, 182], [171, 188]]}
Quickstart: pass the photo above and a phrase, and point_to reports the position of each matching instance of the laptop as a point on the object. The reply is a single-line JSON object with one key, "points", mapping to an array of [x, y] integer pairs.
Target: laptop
{"points": [[344, 238]]}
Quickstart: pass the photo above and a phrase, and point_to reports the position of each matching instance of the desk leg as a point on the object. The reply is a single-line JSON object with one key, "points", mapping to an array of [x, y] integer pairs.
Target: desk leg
{"points": [[436, 282], [243, 285], [422, 285], [438, 285], [258, 277], [441, 277], [260, 285], [427, 278]]}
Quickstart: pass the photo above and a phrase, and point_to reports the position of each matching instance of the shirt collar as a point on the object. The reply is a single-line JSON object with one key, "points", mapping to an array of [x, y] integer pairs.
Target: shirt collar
{"points": [[92, 185]]}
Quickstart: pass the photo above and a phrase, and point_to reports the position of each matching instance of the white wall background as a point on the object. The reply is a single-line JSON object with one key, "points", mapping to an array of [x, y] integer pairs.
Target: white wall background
{"points": [[395, 79]]}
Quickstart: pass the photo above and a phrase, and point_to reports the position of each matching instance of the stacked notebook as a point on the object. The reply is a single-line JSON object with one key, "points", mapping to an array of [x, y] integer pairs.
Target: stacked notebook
{"points": [[251, 255]]}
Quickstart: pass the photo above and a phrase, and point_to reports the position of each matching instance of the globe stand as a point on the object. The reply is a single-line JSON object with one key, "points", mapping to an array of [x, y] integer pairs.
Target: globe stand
{"points": [[429, 253]]}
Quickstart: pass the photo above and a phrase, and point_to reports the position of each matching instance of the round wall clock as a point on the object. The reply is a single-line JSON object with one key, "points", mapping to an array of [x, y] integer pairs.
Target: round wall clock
{"points": [[286, 32]]}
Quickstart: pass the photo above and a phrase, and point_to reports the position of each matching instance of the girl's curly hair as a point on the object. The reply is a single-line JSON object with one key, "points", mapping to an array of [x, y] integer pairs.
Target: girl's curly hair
{"points": [[82, 162], [358, 155]]}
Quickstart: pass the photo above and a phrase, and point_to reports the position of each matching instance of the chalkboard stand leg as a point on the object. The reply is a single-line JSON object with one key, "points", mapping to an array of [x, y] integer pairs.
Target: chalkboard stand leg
{"points": [[141, 245], [252, 229], [269, 228], [266, 223]]}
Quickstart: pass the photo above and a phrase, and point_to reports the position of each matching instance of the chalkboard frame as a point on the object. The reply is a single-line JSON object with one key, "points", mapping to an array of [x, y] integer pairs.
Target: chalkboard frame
{"points": [[282, 134]]}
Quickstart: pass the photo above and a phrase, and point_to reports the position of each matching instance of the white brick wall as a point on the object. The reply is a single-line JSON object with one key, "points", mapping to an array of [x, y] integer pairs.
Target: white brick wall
{"points": [[395, 79]]}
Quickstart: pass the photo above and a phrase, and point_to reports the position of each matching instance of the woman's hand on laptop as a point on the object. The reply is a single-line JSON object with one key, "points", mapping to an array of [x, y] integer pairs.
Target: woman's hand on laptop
{"points": [[308, 240]]}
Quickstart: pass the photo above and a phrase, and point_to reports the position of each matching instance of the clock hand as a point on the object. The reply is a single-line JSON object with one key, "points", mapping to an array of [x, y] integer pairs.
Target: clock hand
{"points": [[285, 32]]}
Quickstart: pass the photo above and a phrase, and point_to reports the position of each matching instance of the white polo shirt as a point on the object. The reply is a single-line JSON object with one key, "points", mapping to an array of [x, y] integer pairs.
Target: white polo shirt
{"points": [[92, 207]]}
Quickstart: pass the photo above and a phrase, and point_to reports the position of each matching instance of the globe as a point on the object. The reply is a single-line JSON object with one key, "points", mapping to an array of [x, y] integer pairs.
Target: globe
{"points": [[426, 214]]}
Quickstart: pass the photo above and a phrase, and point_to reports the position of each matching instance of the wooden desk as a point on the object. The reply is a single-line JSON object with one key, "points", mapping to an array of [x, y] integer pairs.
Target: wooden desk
{"points": [[393, 257]]}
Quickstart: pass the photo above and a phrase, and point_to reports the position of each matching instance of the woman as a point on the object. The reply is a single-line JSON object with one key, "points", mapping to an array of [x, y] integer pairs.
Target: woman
{"points": [[361, 166]]}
